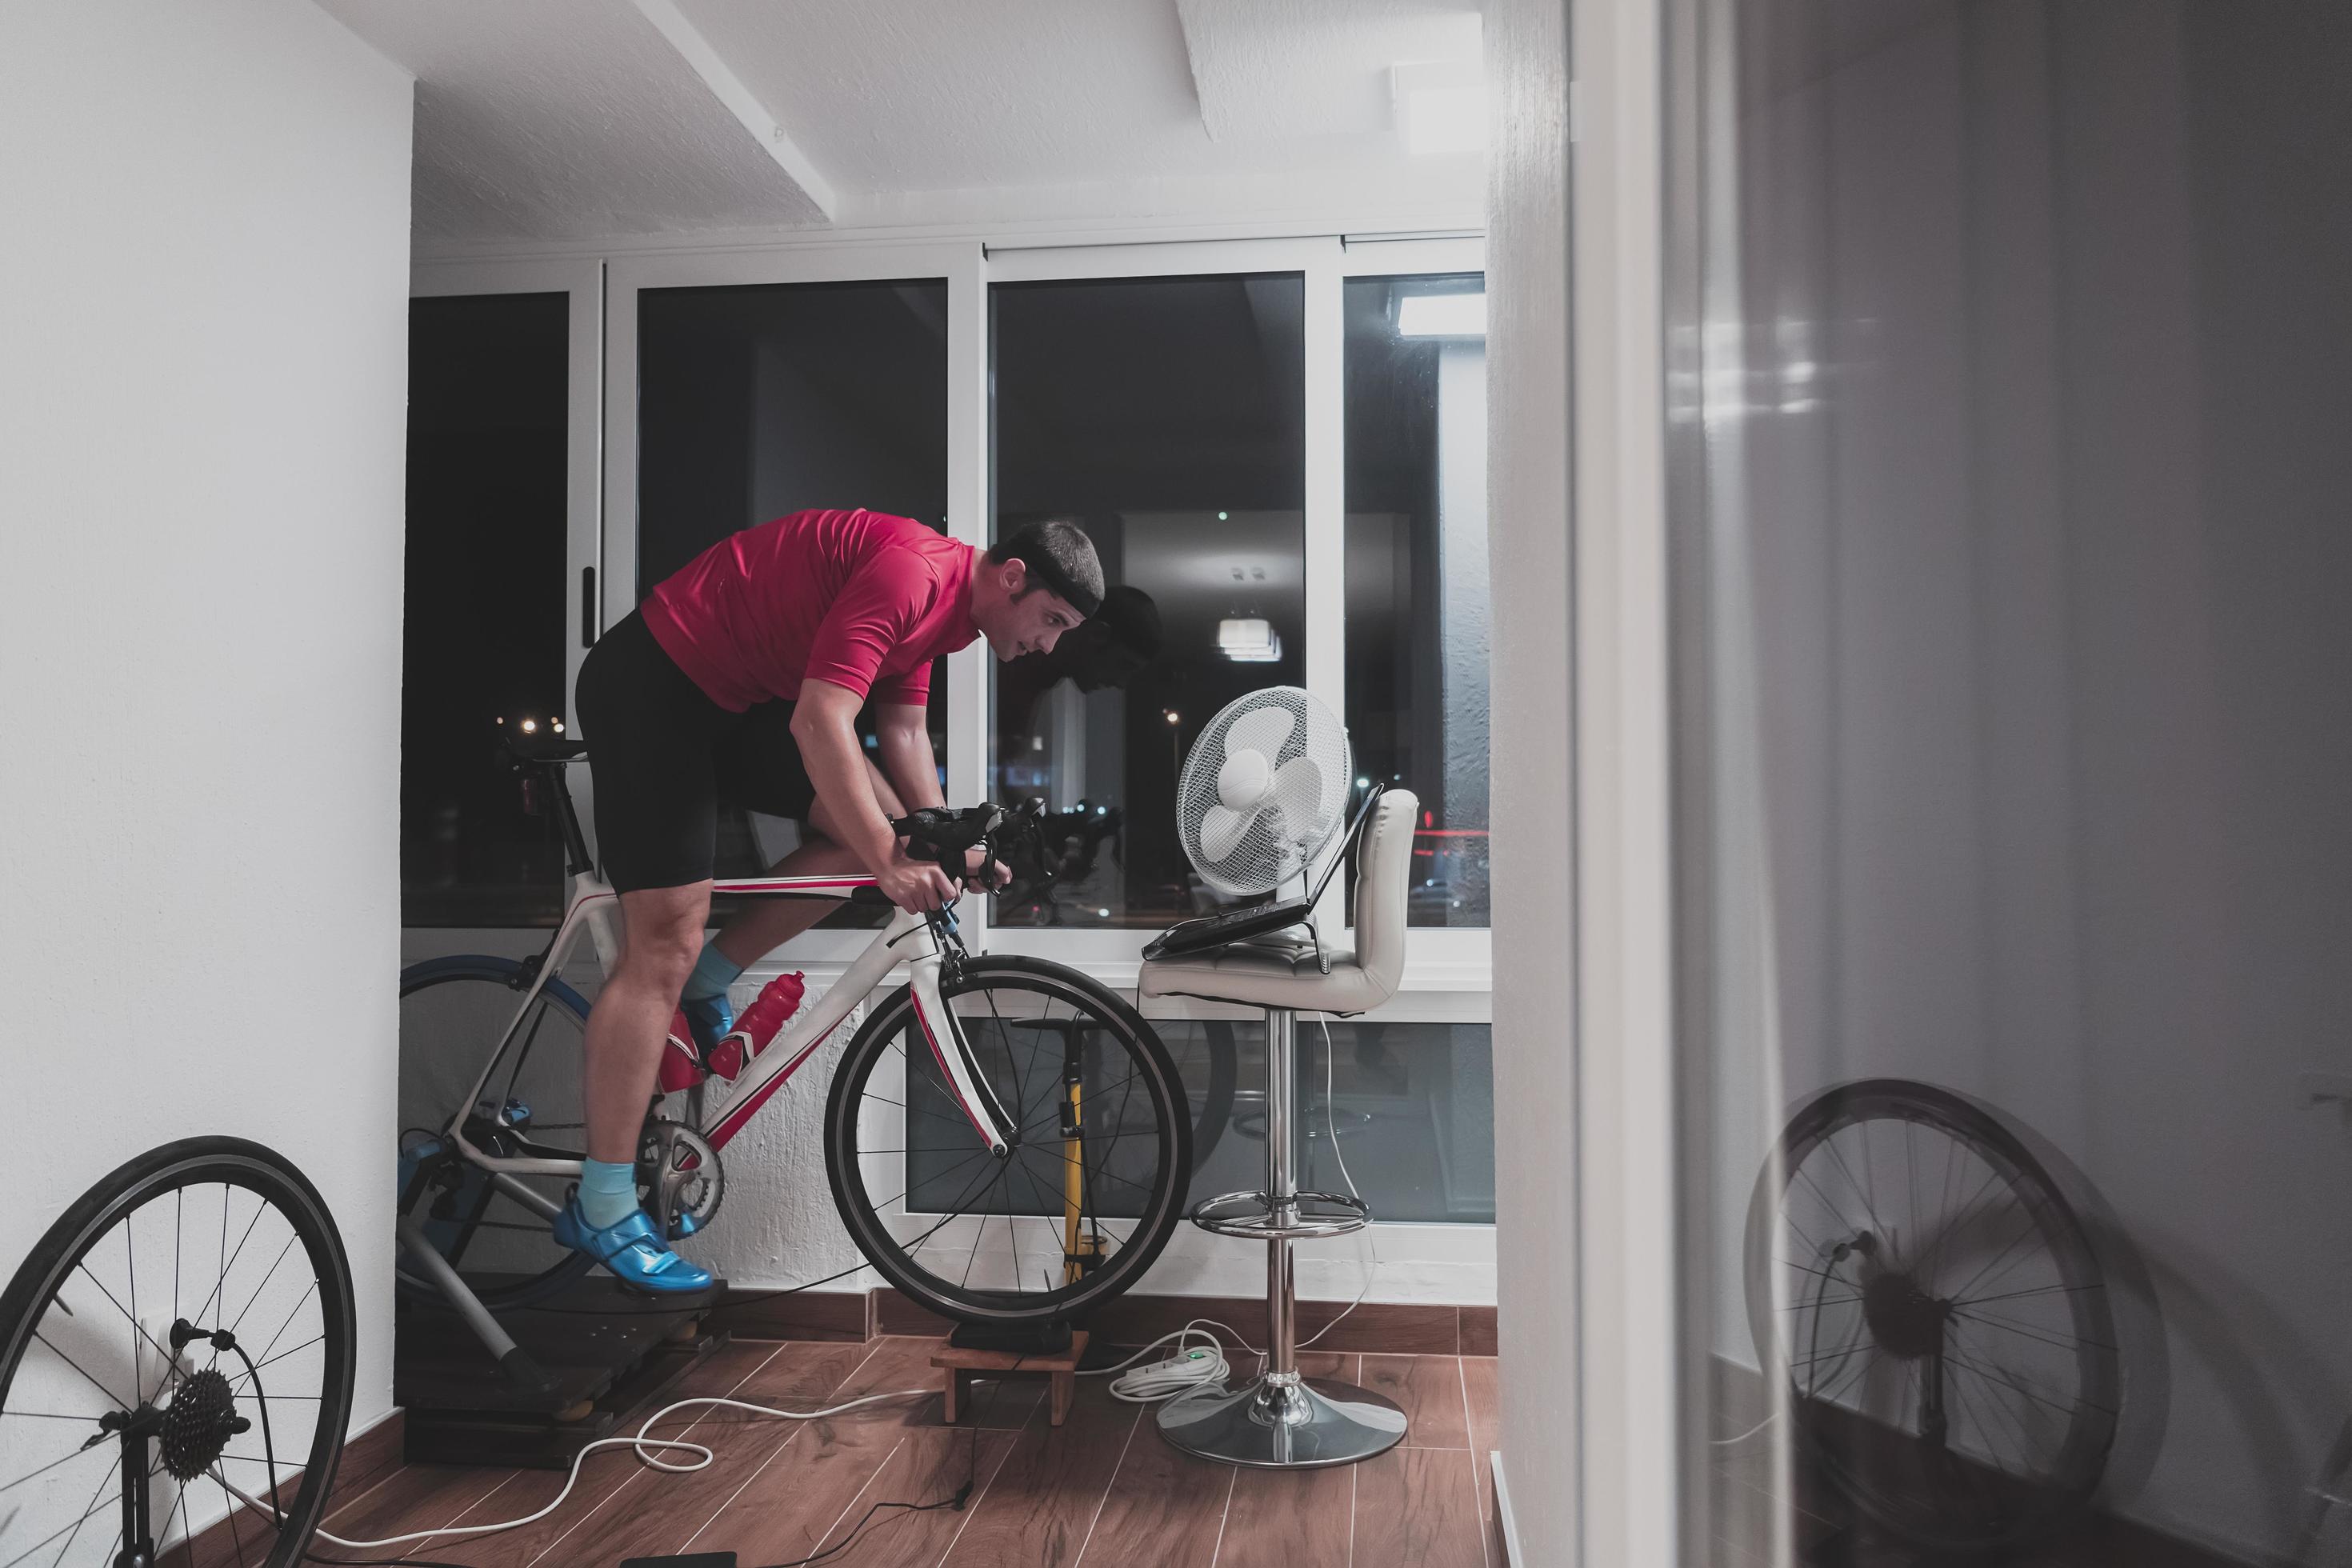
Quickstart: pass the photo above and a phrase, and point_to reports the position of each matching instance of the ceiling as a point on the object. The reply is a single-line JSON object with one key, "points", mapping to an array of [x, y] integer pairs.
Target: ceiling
{"points": [[565, 119]]}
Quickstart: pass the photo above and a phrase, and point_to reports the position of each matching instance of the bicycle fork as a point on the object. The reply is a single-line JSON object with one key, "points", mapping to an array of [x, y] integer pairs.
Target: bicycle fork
{"points": [[937, 950]]}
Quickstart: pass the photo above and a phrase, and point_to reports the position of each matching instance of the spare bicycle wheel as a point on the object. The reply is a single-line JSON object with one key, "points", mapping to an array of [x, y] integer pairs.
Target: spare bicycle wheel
{"points": [[176, 1366], [1938, 1314]]}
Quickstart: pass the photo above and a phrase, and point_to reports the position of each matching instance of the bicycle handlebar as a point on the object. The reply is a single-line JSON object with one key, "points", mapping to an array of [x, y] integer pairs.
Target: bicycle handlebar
{"points": [[945, 836]]}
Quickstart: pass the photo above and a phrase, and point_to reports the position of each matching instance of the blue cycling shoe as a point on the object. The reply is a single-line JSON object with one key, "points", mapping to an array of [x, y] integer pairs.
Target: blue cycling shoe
{"points": [[708, 1019], [632, 1250]]}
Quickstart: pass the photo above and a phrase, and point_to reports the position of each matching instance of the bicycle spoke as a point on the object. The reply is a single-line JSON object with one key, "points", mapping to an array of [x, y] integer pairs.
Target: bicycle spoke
{"points": [[139, 1329], [2014, 1295], [1993, 1376], [229, 1259], [71, 1455], [131, 1265], [74, 1526], [290, 1239], [85, 1377], [2052, 1341]]}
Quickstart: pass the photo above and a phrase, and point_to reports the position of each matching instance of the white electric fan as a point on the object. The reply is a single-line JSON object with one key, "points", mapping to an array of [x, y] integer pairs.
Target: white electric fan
{"points": [[1264, 791]]}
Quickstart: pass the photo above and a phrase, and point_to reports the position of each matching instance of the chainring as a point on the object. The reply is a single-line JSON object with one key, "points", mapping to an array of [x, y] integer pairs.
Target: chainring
{"points": [[680, 1175]]}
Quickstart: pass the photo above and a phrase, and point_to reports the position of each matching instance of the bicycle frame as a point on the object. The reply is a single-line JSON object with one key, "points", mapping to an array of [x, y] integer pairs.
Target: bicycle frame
{"points": [[914, 940]]}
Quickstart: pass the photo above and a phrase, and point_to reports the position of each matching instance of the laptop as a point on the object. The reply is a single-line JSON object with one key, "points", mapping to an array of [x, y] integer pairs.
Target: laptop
{"points": [[1250, 920]]}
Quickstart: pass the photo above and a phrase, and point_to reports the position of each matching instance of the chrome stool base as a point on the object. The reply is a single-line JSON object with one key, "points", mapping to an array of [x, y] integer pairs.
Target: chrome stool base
{"points": [[1282, 1421]]}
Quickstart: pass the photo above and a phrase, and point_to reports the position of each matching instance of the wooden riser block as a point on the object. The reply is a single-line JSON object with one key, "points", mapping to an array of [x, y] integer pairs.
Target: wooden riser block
{"points": [[1062, 1368]]}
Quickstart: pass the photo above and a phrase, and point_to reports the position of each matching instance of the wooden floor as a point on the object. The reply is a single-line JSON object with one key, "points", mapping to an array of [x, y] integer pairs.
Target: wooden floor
{"points": [[1103, 1489]]}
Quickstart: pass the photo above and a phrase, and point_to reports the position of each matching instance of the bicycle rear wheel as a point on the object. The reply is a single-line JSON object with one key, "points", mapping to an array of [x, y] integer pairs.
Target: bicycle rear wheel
{"points": [[1094, 1184], [188, 1323], [452, 1011], [1938, 1315]]}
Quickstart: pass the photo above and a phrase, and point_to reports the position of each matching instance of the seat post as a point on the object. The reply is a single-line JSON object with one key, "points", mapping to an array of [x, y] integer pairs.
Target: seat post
{"points": [[1281, 1194]]}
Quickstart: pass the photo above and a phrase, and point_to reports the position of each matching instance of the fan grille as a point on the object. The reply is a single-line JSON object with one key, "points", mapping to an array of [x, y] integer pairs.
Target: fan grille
{"points": [[1247, 829]]}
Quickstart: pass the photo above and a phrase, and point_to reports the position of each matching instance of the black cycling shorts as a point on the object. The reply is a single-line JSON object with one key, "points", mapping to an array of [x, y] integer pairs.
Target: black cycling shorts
{"points": [[664, 756]]}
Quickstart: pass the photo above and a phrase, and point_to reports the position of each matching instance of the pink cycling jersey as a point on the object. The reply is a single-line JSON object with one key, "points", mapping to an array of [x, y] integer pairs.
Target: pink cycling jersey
{"points": [[860, 598]]}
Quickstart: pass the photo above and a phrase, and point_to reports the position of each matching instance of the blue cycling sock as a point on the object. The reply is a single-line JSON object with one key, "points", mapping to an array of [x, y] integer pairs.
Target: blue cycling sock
{"points": [[608, 1193], [714, 972]]}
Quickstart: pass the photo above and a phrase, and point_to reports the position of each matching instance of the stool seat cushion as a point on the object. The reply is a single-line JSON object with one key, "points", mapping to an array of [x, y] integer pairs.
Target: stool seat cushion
{"points": [[1282, 973], [1269, 974]]}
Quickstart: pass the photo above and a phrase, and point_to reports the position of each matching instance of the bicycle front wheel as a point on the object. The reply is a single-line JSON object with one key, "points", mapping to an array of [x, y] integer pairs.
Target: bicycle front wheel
{"points": [[1093, 1183]]}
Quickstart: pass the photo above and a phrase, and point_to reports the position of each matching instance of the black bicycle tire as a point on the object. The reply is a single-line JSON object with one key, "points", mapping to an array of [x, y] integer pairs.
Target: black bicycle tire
{"points": [[569, 1270], [201, 1160], [1812, 1122], [1133, 1260]]}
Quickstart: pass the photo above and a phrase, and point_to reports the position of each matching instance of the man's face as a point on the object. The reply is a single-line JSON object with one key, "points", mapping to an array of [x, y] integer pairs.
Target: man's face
{"points": [[1024, 623]]}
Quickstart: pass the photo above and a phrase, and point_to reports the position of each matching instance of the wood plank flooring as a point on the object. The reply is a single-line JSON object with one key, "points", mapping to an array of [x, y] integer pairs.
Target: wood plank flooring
{"points": [[1102, 1490]]}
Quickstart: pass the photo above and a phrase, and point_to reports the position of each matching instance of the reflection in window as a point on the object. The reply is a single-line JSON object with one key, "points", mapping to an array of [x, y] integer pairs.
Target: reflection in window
{"points": [[1417, 599], [486, 582], [760, 401], [1166, 417]]}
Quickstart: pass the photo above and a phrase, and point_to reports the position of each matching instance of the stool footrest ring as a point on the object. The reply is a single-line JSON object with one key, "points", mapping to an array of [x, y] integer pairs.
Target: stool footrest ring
{"points": [[1250, 1216]]}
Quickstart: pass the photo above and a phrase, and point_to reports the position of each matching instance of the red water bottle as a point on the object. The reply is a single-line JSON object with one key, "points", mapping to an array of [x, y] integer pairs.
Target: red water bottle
{"points": [[759, 1026], [680, 1067]]}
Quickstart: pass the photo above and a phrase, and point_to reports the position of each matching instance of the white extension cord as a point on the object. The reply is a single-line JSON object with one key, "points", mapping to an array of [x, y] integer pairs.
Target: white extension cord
{"points": [[1191, 1366], [641, 1442]]}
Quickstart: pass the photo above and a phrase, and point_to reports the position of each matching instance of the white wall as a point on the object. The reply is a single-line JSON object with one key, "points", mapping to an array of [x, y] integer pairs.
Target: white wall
{"points": [[2048, 566], [1534, 1003], [203, 383]]}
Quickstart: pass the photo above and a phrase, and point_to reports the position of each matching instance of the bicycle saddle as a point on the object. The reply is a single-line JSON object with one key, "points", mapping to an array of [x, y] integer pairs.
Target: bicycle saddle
{"points": [[542, 748]]}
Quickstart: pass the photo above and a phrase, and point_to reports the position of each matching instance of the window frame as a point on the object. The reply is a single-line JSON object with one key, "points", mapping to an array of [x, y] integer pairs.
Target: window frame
{"points": [[1431, 953], [1442, 965], [582, 279], [960, 265]]}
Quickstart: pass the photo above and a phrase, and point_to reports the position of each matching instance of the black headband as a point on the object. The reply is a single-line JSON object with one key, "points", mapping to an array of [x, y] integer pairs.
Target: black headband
{"points": [[1049, 571]]}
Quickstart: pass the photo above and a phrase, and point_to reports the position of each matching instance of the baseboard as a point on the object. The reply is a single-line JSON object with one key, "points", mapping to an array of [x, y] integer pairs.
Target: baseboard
{"points": [[366, 1459], [1513, 1557], [1381, 1327]]}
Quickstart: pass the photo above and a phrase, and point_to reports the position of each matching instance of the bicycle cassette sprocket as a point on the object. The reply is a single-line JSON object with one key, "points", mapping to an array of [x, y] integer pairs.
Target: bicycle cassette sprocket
{"points": [[680, 1177]]}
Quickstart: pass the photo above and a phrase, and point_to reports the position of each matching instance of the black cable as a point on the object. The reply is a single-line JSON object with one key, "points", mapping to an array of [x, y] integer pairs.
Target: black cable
{"points": [[962, 1493]]}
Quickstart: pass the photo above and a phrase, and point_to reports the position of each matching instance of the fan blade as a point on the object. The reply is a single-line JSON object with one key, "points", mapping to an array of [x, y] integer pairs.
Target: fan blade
{"points": [[1298, 794], [1260, 730], [1222, 830]]}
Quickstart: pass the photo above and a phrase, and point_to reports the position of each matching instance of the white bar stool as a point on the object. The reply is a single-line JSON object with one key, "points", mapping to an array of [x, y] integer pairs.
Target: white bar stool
{"points": [[1281, 1420]]}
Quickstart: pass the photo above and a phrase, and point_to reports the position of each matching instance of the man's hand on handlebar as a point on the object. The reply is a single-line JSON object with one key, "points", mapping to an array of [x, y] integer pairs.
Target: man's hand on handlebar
{"points": [[917, 887]]}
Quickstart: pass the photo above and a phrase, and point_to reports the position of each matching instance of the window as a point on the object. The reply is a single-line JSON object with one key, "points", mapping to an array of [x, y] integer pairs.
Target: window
{"points": [[1166, 415], [1412, 1104], [1417, 570], [486, 588], [755, 401]]}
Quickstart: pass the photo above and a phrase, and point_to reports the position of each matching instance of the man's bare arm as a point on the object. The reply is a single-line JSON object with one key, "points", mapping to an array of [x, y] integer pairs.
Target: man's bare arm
{"points": [[902, 733], [824, 724]]}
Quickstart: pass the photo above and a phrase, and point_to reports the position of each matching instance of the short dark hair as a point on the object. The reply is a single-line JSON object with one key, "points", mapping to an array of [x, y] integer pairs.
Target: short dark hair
{"points": [[1059, 556]]}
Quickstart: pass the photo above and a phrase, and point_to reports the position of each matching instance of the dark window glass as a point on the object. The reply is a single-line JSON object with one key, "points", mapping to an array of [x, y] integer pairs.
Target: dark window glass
{"points": [[1165, 415], [1417, 599], [756, 402], [486, 581], [1413, 1105]]}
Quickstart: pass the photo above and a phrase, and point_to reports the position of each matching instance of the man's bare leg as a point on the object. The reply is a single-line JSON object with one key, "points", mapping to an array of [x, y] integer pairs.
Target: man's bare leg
{"points": [[631, 1017], [769, 923]]}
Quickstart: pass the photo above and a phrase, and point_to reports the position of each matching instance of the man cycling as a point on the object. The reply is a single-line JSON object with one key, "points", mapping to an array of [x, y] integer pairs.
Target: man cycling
{"points": [[741, 678]]}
